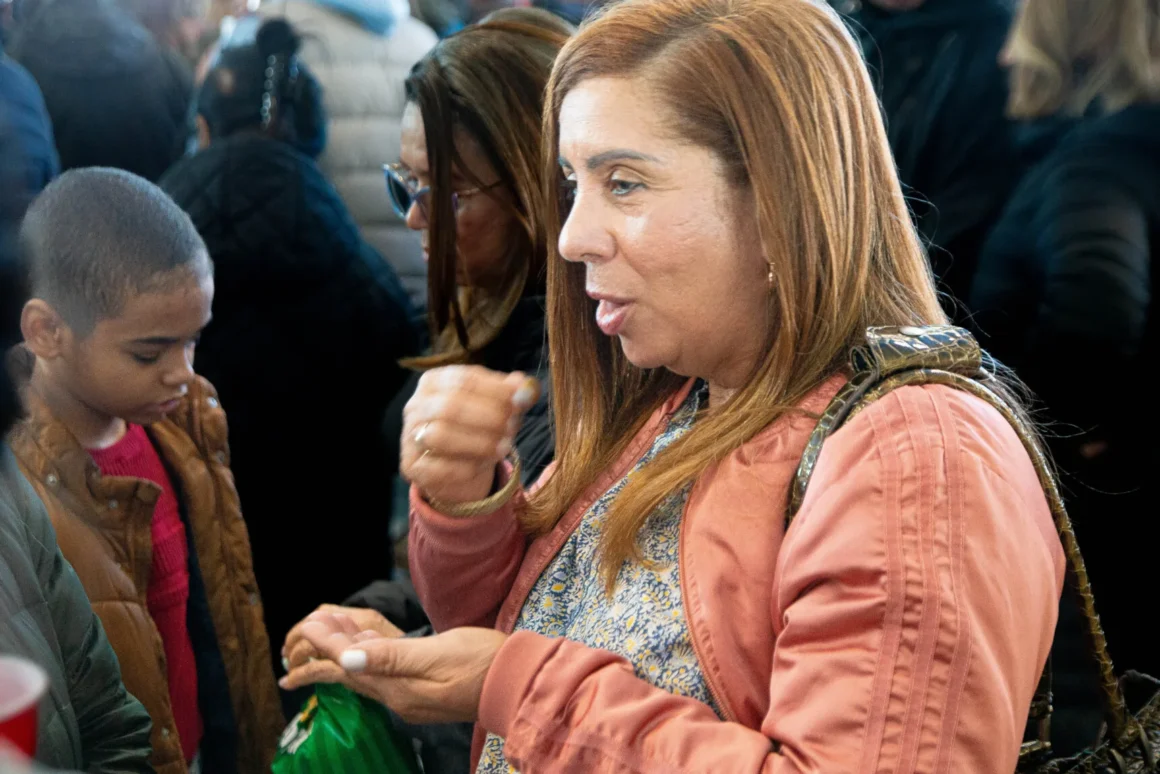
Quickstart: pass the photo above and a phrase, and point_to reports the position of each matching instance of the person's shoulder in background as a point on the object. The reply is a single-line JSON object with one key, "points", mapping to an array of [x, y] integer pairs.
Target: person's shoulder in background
{"points": [[28, 157]]}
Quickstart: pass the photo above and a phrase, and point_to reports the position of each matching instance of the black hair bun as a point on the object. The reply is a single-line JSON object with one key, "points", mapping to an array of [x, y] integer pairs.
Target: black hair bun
{"points": [[277, 38]]}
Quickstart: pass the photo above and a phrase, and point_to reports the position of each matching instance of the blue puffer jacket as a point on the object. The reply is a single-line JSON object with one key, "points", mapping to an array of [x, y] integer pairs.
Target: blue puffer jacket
{"points": [[28, 159]]}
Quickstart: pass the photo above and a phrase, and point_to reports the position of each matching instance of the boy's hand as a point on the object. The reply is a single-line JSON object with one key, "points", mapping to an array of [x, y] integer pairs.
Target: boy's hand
{"points": [[458, 426]]}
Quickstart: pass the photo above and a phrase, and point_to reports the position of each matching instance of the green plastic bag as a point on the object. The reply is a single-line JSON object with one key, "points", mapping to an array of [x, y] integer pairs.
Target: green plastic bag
{"points": [[340, 731]]}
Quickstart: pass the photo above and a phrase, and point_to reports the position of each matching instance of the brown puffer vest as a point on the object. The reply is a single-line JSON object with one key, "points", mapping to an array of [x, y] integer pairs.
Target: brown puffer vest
{"points": [[103, 527]]}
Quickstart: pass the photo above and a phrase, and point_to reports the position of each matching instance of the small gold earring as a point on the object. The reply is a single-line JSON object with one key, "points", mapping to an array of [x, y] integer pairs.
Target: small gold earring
{"points": [[769, 277]]}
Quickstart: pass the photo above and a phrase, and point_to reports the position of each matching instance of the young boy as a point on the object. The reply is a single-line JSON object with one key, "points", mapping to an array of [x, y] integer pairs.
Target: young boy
{"points": [[127, 448], [89, 722]]}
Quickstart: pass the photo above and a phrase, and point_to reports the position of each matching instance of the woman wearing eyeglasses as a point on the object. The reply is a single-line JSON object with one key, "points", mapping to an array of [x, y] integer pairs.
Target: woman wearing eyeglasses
{"points": [[309, 326], [470, 179]]}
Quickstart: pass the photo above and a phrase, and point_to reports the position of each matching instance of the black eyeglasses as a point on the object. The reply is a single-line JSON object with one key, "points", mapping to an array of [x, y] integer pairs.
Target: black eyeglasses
{"points": [[404, 191]]}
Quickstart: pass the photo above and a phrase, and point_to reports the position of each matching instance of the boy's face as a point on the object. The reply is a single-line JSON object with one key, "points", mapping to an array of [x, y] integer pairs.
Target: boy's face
{"points": [[138, 365]]}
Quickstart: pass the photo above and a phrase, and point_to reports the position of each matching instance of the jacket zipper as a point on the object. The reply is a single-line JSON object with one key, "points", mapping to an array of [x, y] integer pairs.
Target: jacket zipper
{"points": [[714, 690]]}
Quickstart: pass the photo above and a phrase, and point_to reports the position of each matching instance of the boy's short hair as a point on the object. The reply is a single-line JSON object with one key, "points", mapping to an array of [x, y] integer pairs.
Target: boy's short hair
{"points": [[95, 237]]}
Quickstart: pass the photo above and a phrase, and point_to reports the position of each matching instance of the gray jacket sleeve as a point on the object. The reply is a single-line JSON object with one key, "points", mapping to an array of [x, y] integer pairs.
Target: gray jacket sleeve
{"points": [[14, 763], [114, 726]]}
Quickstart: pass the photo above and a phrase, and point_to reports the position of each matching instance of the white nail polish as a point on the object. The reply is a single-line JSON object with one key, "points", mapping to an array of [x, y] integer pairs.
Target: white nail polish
{"points": [[504, 448], [353, 660], [286, 663], [524, 398]]}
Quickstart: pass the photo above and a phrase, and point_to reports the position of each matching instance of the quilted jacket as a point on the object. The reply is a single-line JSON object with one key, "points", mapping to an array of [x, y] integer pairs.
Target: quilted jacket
{"points": [[309, 325], [103, 526], [361, 62], [88, 721]]}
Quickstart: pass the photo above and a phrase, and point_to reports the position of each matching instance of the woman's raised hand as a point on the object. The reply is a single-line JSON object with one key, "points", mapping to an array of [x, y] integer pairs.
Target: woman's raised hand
{"points": [[460, 423]]}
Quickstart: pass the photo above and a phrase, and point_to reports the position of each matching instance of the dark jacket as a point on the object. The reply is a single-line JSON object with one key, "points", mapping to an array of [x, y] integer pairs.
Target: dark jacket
{"points": [[27, 163], [309, 325], [1065, 294], [117, 99], [1068, 269], [520, 346], [28, 160], [944, 96], [103, 525], [88, 721]]}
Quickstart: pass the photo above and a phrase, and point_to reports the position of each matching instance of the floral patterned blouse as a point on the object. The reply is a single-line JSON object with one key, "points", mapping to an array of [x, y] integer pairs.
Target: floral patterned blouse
{"points": [[644, 620]]}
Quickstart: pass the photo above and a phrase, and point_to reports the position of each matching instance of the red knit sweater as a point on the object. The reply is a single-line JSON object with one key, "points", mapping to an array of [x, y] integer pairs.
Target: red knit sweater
{"points": [[168, 592]]}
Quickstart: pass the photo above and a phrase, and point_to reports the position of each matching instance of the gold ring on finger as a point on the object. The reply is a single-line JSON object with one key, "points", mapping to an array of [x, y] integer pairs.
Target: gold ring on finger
{"points": [[422, 431]]}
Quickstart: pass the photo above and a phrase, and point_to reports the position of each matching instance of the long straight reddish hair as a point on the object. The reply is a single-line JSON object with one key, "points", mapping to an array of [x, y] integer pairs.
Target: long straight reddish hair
{"points": [[777, 89]]}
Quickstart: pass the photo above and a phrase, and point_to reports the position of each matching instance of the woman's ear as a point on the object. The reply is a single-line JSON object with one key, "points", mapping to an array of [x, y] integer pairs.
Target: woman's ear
{"points": [[203, 136], [43, 329]]}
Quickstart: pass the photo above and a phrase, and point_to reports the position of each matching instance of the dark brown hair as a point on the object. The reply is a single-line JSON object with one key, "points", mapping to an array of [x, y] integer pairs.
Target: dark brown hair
{"points": [[96, 237], [488, 81]]}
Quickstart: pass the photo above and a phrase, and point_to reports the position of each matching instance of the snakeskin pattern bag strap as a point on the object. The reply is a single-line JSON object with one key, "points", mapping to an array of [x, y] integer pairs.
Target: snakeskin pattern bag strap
{"points": [[900, 357], [887, 351]]}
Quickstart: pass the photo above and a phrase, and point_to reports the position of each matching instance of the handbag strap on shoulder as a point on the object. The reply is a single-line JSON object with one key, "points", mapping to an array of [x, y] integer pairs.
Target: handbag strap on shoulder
{"points": [[898, 357], [890, 350], [887, 352]]}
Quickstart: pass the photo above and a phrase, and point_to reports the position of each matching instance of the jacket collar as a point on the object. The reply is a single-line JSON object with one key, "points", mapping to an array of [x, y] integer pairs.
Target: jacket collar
{"points": [[53, 455], [377, 16]]}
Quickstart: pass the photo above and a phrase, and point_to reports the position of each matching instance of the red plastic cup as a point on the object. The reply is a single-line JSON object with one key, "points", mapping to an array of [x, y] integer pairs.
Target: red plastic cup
{"points": [[22, 686]]}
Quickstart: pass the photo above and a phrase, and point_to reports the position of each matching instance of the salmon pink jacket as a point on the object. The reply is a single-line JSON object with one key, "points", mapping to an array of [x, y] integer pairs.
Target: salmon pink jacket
{"points": [[900, 625]]}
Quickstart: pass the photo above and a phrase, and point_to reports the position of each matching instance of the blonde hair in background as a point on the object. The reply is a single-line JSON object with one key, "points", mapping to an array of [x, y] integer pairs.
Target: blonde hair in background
{"points": [[1065, 55], [777, 89]]}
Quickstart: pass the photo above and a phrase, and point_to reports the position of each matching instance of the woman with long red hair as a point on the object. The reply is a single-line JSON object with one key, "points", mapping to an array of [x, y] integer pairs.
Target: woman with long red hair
{"points": [[731, 225]]}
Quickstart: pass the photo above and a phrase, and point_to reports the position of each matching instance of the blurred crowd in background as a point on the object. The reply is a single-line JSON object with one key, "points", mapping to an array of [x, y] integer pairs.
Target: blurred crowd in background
{"points": [[1036, 188]]}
